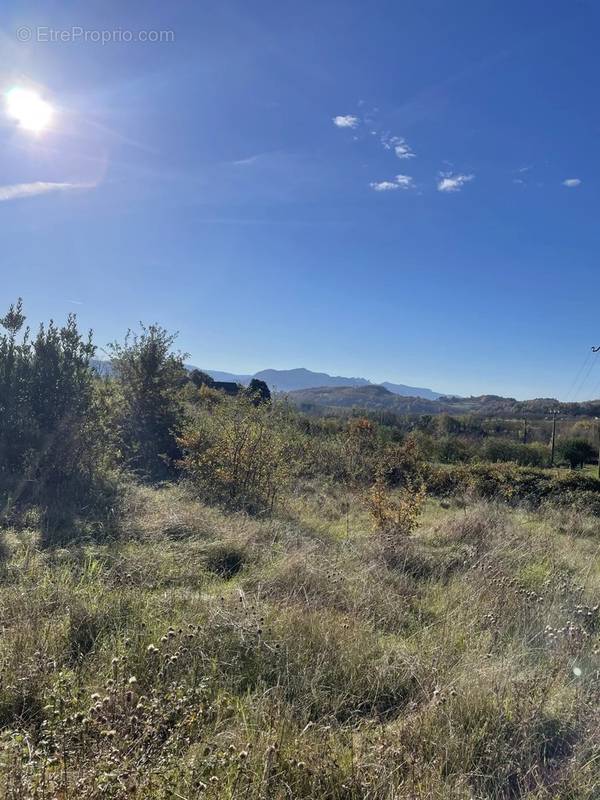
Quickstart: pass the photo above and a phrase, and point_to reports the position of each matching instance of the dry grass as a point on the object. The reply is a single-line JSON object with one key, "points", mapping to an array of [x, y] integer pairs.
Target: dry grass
{"points": [[218, 656]]}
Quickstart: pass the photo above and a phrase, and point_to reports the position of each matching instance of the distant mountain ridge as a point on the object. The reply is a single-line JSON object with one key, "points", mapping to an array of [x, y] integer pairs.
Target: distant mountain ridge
{"points": [[292, 380], [298, 379], [318, 389]]}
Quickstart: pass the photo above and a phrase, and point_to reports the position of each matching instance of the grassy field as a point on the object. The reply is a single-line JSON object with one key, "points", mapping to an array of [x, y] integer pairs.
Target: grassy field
{"points": [[214, 655]]}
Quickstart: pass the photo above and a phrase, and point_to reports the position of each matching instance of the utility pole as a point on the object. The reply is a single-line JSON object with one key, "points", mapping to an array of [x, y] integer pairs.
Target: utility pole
{"points": [[525, 431], [554, 412], [596, 350]]}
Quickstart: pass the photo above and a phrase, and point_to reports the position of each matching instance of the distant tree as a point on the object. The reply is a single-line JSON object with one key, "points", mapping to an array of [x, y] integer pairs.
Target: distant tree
{"points": [[576, 452], [150, 376], [426, 423], [258, 391], [449, 426], [199, 378], [452, 449], [500, 449]]}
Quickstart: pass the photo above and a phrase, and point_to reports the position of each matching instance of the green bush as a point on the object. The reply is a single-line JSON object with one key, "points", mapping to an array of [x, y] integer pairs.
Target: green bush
{"points": [[52, 453], [576, 452], [526, 455], [511, 483], [150, 414], [237, 455], [452, 450]]}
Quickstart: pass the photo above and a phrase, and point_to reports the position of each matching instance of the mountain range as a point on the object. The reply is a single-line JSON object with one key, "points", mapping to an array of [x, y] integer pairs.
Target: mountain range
{"points": [[309, 390], [291, 380]]}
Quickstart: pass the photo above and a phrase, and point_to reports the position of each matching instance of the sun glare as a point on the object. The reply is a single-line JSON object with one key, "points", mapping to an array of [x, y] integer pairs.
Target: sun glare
{"points": [[28, 109]]}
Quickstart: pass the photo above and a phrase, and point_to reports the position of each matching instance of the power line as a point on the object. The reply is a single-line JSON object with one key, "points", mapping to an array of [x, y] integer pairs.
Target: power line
{"points": [[585, 377], [578, 375], [595, 390]]}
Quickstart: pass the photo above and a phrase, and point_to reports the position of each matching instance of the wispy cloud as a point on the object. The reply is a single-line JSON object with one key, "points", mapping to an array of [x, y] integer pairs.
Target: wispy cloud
{"points": [[572, 182], [452, 182], [399, 145], [346, 121], [383, 186], [405, 181], [246, 162], [399, 182], [403, 150], [19, 190]]}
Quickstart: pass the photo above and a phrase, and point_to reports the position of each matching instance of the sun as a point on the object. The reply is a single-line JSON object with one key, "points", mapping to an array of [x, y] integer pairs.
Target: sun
{"points": [[28, 109]]}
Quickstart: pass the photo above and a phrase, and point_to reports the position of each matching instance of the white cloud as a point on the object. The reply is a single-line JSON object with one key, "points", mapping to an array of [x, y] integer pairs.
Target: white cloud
{"points": [[405, 181], [398, 144], [384, 186], [572, 182], [18, 190], [451, 182], [399, 182], [403, 150], [347, 121]]}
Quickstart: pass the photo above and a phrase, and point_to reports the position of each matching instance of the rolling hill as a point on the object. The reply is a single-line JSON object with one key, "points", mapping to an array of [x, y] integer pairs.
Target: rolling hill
{"points": [[378, 398]]}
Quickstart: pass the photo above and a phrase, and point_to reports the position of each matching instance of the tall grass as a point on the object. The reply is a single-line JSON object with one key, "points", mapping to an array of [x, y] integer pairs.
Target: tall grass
{"points": [[206, 654]]}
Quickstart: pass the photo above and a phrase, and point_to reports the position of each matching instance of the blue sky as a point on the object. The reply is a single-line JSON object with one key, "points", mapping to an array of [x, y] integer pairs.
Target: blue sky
{"points": [[373, 189]]}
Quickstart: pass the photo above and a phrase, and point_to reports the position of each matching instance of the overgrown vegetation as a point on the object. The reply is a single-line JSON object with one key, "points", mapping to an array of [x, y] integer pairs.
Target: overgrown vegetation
{"points": [[213, 596], [51, 457]]}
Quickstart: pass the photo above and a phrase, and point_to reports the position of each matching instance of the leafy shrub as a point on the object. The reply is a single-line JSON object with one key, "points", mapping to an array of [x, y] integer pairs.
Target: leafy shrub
{"points": [[514, 484], [236, 455], [360, 450], [452, 450], [526, 455], [401, 464], [52, 453], [395, 514], [150, 415], [576, 452]]}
